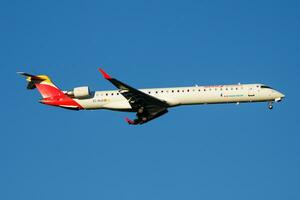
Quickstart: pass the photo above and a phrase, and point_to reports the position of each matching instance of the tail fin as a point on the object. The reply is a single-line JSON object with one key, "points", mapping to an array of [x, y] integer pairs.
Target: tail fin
{"points": [[43, 83]]}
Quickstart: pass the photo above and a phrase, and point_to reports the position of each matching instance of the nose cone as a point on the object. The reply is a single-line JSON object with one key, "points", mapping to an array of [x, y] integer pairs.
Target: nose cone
{"points": [[281, 95]]}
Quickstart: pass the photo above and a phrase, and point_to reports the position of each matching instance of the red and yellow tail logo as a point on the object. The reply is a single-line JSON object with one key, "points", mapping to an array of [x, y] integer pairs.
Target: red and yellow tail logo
{"points": [[51, 94], [44, 84]]}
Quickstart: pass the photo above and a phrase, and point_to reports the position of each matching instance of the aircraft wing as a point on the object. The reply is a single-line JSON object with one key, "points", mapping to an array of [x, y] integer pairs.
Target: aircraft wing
{"points": [[146, 106]]}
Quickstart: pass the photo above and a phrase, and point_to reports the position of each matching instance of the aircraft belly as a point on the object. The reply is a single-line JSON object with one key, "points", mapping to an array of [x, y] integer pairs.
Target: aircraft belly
{"points": [[117, 105], [93, 104], [88, 104]]}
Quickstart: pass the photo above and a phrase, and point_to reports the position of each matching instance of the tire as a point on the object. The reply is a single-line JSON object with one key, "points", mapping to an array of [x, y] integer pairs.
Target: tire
{"points": [[270, 107], [141, 110]]}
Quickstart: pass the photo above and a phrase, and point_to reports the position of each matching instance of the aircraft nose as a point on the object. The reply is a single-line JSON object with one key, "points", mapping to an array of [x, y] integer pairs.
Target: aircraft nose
{"points": [[280, 95]]}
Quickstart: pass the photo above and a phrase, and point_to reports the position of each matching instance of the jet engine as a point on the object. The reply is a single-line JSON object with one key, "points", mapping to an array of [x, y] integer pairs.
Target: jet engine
{"points": [[80, 92]]}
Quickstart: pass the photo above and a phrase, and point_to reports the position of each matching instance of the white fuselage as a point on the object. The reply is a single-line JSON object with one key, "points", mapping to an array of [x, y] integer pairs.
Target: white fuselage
{"points": [[240, 93]]}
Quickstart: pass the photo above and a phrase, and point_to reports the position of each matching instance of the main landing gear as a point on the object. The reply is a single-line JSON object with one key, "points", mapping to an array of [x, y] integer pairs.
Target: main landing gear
{"points": [[141, 114], [142, 117], [270, 105], [140, 110]]}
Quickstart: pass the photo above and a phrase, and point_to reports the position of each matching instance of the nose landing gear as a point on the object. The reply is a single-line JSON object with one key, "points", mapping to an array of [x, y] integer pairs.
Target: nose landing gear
{"points": [[270, 105]]}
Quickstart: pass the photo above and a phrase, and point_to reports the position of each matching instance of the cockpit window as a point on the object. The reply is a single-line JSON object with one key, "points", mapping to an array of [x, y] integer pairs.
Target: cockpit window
{"points": [[266, 87]]}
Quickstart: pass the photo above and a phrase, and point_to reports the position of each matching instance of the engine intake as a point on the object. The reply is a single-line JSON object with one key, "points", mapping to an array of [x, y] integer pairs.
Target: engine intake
{"points": [[80, 92]]}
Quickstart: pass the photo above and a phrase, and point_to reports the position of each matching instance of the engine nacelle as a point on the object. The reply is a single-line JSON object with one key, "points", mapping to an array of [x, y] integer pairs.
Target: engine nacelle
{"points": [[80, 92]]}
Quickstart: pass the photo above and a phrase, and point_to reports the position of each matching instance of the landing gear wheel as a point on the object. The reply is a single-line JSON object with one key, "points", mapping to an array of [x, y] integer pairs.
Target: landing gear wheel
{"points": [[270, 106], [141, 110]]}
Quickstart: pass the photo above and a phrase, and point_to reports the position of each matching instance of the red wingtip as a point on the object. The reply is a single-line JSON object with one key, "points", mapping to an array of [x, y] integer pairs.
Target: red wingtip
{"points": [[105, 75], [129, 121]]}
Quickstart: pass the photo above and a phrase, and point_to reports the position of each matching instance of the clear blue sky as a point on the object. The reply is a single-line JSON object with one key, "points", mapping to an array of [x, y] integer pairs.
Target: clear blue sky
{"points": [[200, 152]]}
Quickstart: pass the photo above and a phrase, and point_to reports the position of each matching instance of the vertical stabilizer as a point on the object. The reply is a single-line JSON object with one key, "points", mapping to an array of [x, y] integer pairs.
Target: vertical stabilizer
{"points": [[44, 85]]}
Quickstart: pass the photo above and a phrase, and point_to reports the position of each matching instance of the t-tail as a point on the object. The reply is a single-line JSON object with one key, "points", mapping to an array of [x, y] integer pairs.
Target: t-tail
{"points": [[51, 94]]}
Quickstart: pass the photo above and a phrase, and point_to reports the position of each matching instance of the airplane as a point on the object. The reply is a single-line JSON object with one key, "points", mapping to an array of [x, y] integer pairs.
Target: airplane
{"points": [[148, 104]]}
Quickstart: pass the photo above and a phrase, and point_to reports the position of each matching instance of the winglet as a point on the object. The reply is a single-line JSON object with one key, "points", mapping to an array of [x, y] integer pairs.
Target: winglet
{"points": [[105, 75], [129, 121]]}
